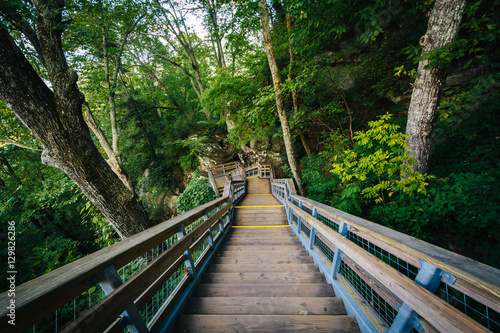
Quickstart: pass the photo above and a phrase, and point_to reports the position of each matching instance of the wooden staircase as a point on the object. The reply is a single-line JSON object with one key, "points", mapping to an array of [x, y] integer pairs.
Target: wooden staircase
{"points": [[220, 181], [263, 280]]}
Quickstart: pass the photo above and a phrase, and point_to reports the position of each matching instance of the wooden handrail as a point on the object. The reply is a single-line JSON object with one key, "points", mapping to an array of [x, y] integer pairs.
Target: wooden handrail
{"points": [[474, 279], [439, 313], [40, 297], [104, 313]]}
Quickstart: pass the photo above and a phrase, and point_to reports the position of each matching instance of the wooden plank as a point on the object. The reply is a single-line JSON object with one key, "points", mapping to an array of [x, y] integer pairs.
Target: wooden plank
{"points": [[266, 323], [99, 317], [261, 232], [263, 237], [266, 305], [279, 248], [261, 242], [264, 260], [265, 277], [251, 253], [39, 297], [266, 290], [248, 268], [439, 313]]}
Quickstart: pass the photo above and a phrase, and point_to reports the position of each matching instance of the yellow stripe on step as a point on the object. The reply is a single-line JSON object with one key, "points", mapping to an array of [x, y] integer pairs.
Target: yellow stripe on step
{"points": [[259, 206], [252, 177], [260, 194], [259, 226]]}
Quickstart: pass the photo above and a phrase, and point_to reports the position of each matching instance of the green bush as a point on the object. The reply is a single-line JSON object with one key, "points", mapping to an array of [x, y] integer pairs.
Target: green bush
{"points": [[197, 193]]}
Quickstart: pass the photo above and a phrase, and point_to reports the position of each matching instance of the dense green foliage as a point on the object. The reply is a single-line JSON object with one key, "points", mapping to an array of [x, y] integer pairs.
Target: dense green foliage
{"points": [[354, 66], [197, 193]]}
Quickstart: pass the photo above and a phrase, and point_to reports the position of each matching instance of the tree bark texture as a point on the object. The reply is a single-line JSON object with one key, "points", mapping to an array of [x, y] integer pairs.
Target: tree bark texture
{"points": [[55, 119], [278, 91], [290, 78], [442, 29]]}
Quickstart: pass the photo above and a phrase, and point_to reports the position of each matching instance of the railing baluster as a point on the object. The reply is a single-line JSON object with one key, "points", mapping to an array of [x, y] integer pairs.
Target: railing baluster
{"points": [[109, 280], [312, 232], [337, 256], [299, 220], [428, 277], [188, 258]]}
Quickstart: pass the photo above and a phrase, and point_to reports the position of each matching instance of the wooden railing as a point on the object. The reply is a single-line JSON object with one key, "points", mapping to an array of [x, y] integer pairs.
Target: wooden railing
{"points": [[176, 251], [235, 172], [412, 277], [223, 169]]}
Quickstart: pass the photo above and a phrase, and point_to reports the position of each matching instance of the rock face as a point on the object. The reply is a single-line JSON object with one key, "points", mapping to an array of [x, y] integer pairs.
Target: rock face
{"points": [[212, 152], [166, 206]]}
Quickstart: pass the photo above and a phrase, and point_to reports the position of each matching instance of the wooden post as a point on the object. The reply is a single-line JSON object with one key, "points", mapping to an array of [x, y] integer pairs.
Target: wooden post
{"points": [[337, 256], [428, 277], [312, 232], [188, 258], [299, 219], [109, 280], [221, 221]]}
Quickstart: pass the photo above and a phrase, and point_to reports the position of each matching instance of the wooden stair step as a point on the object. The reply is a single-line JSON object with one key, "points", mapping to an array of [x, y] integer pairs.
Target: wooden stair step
{"points": [[270, 211], [260, 231], [260, 221], [248, 268], [264, 290], [278, 248], [261, 236], [264, 260], [265, 277], [251, 253], [256, 241], [266, 305], [266, 323], [259, 200]]}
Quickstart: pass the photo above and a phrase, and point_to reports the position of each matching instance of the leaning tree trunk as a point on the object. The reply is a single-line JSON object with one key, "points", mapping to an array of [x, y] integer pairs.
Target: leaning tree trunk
{"points": [[285, 125], [55, 119], [290, 78], [444, 22]]}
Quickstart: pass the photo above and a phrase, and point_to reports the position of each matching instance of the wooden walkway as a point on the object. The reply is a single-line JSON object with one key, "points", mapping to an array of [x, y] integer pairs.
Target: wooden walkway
{"points": [[263, 280]]}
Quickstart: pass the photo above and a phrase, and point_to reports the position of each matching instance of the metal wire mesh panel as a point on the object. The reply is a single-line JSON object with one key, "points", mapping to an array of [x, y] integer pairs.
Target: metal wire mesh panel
{"points": [[166, 290], [305, 230], [325, 249], [70, 311], [400, 265], [374, 300], [329, 223], [472, 308], [199, 251]]}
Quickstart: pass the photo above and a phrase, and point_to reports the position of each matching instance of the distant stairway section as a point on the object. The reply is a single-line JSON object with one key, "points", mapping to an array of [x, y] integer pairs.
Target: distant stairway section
{"points": [[259, 207], [262, 279]]}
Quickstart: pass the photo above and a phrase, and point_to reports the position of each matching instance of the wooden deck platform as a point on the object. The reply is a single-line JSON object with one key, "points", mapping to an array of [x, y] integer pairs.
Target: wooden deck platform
{"points": [[263, 280]]}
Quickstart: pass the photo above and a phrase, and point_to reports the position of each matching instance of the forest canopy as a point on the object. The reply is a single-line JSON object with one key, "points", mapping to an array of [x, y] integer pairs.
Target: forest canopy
{"points": [[110, 110]]}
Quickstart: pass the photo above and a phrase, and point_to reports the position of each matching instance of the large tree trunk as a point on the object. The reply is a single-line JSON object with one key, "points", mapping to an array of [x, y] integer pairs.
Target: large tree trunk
{"points": [[290, 78], [444, 22], [55, 119], [285, 125]]}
